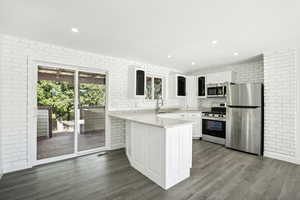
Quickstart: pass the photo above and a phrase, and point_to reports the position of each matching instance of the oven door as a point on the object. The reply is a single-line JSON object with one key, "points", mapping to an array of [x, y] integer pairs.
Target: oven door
{"points": [[214, 128]]}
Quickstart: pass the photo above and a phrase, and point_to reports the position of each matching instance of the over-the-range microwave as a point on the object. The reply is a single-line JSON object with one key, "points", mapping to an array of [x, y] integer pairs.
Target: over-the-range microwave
{"points": [[216, 90]]}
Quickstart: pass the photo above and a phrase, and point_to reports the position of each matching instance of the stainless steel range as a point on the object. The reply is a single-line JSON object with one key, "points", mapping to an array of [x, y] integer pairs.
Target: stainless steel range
{"points": [[214, 125]]}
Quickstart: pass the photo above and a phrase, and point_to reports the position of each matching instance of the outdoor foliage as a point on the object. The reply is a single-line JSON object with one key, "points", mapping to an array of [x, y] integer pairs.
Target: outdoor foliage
{"points": [[60, 97]]}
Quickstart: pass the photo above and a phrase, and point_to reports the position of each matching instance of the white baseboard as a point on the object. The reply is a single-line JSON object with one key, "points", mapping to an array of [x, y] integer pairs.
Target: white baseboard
{"points": [[278, 156], [117, 146], [15, 169]]}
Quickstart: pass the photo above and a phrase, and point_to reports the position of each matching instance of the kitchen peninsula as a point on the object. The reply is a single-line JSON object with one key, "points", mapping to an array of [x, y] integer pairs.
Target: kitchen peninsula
{"points": [[158, 147]]}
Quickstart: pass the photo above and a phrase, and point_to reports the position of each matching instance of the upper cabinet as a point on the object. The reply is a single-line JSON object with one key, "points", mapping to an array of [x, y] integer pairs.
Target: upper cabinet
{"points": [[143, 84], [220, 77], [140, 82], [201, 85], [181, 85], [137, 81], [177, 85]]}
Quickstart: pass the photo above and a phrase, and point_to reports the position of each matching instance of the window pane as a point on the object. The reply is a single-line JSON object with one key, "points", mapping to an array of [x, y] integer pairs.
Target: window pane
{"points": [[148, 87], [157, 87], [92, 94], [56, 115]]}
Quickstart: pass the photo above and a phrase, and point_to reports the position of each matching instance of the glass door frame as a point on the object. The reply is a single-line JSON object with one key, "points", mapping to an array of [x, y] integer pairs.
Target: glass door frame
{"points": [[32, 78]]}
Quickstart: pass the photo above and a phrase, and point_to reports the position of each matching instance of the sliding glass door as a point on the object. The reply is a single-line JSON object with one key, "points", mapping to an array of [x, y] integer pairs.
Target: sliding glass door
{"points": [[91, 107], [55, 115], [63, 128]]}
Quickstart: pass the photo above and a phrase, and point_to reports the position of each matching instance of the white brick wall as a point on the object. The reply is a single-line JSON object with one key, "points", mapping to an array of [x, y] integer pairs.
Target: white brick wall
{"points": [[279, 79], [248, 71], [280, 104], [13, 87], [1, 162]]}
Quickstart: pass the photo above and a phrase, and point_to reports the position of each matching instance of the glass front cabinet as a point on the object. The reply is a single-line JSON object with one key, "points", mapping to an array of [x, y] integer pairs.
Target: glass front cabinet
{"points": [[201, 82], [181, 86], [139, 82], [145, 85]]}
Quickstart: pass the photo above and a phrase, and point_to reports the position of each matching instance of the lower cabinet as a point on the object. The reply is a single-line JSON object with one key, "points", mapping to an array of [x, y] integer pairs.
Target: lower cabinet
{"points": [[197, 125], [164, 155], [195, 117]]}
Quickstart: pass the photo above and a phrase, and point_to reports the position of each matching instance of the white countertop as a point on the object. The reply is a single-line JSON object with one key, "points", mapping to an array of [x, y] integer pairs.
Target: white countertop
{"points": [[151, 118]]}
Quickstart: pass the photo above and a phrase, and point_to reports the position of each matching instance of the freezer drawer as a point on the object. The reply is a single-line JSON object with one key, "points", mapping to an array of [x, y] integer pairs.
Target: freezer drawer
{"points": [[245, 95], [243, 129]]}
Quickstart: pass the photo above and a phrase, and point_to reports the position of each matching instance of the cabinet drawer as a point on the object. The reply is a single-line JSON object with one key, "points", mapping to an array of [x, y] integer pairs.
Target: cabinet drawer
{"points": [[194, 115]]}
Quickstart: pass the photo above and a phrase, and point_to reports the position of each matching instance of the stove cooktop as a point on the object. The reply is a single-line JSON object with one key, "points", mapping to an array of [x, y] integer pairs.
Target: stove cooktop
{"points": [[216, 112]]}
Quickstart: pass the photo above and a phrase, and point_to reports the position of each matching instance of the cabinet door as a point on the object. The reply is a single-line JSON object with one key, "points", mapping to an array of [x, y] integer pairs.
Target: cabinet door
{"points": [[197, 125], [211, 78], [201, 86], [220, 77], [230, 77], [181, 86], [140, 83]]}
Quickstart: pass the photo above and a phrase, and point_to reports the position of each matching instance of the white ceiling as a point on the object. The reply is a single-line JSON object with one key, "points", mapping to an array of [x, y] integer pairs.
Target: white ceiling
{"points": [[149, 30]]}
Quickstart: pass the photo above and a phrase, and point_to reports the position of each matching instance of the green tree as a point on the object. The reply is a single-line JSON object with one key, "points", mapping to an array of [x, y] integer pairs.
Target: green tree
{"points": [[92, 94], [60, 97]]}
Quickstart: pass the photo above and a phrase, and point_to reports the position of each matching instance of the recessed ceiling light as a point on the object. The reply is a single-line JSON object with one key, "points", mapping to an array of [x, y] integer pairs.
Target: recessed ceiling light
{"points": [[75, 30], [235, 53], [193, 63], [214, 42], [169, 56]]}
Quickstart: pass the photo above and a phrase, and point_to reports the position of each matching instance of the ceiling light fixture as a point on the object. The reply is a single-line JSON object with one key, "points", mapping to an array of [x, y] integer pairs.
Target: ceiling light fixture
{"points": [[193, 63], [235, 53], [75, 30], [214, 42], [169, 56]]}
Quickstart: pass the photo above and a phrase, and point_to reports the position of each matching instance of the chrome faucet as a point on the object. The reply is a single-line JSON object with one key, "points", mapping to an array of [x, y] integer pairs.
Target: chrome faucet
{"points": [[159, 103]]}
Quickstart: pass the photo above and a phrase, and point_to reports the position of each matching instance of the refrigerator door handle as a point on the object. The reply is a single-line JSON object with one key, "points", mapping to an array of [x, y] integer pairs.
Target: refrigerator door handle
{"points": [[246, 107]]}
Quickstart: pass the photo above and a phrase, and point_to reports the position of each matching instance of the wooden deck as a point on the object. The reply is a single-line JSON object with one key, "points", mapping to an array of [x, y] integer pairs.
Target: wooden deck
{"points": [[63, 143]]}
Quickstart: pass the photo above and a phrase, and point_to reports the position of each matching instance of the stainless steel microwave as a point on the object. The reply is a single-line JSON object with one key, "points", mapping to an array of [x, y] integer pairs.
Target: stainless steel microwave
{"points": [[216, 90]]}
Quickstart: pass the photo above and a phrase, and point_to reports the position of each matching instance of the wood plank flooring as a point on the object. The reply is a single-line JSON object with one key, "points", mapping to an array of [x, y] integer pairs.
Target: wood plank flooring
{"points": [[217, 173]]}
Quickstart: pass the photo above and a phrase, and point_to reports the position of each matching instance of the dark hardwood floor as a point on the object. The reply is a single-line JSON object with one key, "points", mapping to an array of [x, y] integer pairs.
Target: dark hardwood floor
{"points": [[217, 173]]}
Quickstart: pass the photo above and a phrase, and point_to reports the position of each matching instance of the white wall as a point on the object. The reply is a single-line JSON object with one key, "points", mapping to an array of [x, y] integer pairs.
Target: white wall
{"points": [[298, 106], [13, 76], [280, 79], [279, 68], [1, 83], [247, 71]]}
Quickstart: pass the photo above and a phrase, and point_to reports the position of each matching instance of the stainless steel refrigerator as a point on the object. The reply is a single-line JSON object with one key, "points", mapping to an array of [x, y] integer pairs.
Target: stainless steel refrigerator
{"points": [[244, 117]]}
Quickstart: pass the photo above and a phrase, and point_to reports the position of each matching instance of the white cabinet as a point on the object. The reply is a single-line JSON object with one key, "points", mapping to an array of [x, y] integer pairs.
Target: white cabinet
{"points": [[164, 155], [191, 96], [137, 81], [195, 117], [177, 85], [201, 86], [197, 125], [220, 77]]}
